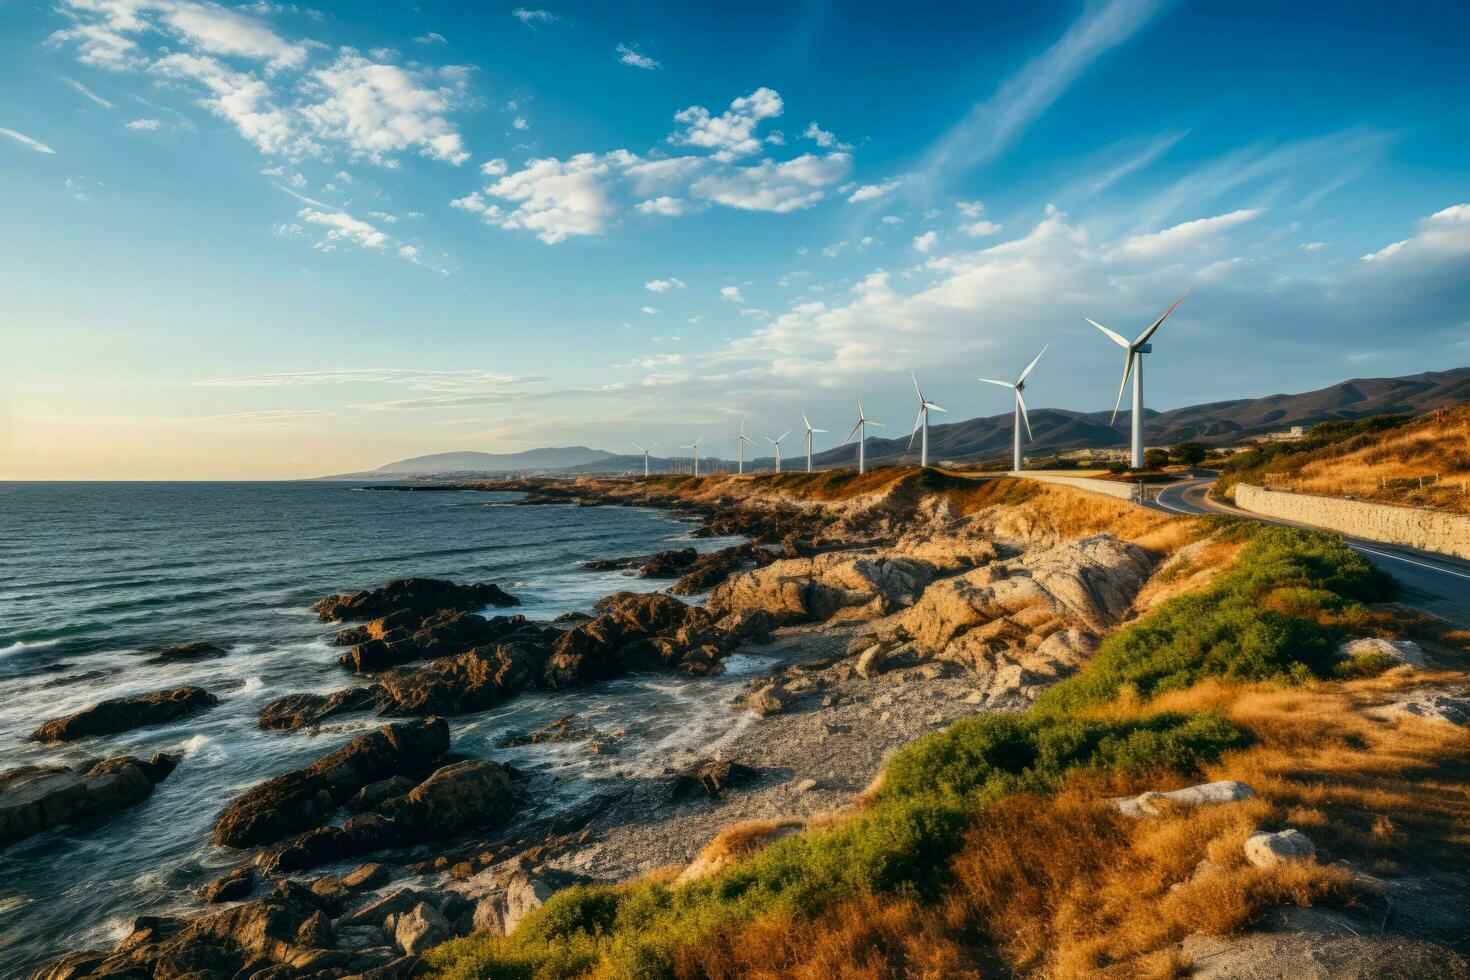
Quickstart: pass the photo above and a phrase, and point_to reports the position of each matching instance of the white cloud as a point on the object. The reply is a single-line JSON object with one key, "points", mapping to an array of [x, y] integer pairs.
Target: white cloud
{"points": [[979, 229], [1186, 237], [383, 216], [892, 219], [432, 37], [533, 17], [494, 168], [218, 30], [731, 294], [665, 206], [379, 109], [25, 140], [240, 98], [554, 199], [143, 124], [871, 192], [824, 138], [1443, 235], [343, 227], [780, 187], [733, 132], [630, 56], [520, 123], [1314, 246], [663, 285], [650, 310], [88, 92], [926, 241]]}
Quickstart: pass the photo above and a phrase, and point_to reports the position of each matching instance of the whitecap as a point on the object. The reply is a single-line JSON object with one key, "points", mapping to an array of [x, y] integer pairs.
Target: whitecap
{"points": [[204, 748], [252, 685], [21, 645]]}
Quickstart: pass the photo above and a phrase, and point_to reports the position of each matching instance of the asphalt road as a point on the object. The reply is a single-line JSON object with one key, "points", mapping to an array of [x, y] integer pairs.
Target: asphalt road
{"points": [[1435, 583]]}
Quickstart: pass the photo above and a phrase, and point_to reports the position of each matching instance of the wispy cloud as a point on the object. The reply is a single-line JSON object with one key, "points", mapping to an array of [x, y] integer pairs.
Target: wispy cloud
{"points": [[421, 380], [533, 18], [631, 56], [993, 125], [88, 92], [25, 140]]}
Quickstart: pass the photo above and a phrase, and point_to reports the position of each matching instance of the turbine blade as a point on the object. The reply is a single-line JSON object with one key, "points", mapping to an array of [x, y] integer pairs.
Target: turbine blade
{"points": [[990, 381], [872, 421], [772, 441], [782, 436], [935, 408], [1022, 378], [856, 425], [1143, 337], [916, 386], [1127, 370], [1116, 339], [806, 421], [816, 430], [651, 445], [1021, 404], [639, 448], [919, 420]]}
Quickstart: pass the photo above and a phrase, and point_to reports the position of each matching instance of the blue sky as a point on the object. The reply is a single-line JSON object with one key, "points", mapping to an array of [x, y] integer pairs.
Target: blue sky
{"points": [[275, 240]]}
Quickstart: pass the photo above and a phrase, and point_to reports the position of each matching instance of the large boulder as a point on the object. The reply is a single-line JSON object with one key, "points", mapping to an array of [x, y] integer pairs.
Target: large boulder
{"points": [[1268, 850], [796, 590], [1153, 803], [421, 928], [184, 653], [305, 798], [633, 631], [712, 569], [471, 681], [442, 635], [421, 596], [37, 798], [295, 711], [124, 714], [710, 779]]}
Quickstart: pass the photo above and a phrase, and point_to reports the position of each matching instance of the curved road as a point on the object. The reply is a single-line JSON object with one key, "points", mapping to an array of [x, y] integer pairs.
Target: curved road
{"points": [[1435, 583]]}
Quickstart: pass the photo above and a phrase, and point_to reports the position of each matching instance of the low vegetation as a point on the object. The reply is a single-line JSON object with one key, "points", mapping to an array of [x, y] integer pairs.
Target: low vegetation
{"points": [[984, 844], [1273, 461]]}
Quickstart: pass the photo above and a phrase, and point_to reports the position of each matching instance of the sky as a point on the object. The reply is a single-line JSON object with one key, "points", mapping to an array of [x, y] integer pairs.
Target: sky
{"points": [[273, 241]]}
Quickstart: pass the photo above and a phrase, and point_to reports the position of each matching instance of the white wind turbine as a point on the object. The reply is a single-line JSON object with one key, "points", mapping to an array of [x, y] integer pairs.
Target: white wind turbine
{"points": [[1133, 362], [743, 440], [861, 426], [777, 443], [809, 431], [695, 446], [922, 421], [645, 453], [1021, 417]]}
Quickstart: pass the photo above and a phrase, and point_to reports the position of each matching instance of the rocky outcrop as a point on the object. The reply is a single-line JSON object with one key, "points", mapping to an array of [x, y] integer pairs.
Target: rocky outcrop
{"points": [[231, 887], [37, 798], [1153, 803], [712, 569], [184, 653], [442, 635], [1447, 707], [664, 564], [124, 714], [471, 681], [305, 798], [710, 779], [417, 596], [800, 590], [1267, 850], [634, 631], [1399, 651], [309, 710]]}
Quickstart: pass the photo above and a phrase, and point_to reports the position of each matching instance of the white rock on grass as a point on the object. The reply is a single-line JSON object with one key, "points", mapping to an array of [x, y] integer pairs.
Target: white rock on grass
{"points": [[1452, 709], [1404, 651], [1147, 804], [1267, 850]]}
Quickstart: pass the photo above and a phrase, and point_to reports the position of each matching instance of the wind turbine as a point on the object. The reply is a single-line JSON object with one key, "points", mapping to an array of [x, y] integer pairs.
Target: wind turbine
{"points": [[922, 420], [645, 453], [861, 426], [777, 443], [743, 440], [695, 446], [809, 431], [1133, 362], [1021, 417]]}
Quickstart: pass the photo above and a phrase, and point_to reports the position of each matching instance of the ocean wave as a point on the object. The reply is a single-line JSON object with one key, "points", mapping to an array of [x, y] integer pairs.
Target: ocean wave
{"points": [[204, 749], [252, 685], [20, 646]]}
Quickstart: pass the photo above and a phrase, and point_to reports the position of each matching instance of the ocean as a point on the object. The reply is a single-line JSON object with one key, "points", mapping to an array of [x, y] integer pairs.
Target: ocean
{"points": [[92, 573]]}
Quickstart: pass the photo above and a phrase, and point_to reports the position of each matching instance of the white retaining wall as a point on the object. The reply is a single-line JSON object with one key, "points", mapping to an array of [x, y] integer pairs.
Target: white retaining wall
{"points": [[1430, 530], [1110, 488]]}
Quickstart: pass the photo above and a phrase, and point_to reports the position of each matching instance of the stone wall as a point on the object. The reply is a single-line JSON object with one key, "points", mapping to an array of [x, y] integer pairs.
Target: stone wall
{"points": [[1430, 530], [1111, 488]]}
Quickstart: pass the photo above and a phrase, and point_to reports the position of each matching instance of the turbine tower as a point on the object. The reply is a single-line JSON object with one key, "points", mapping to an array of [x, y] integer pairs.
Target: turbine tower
{"points": [[922, 421], [1021, 417], [861, 426], [809, 431], [695, 446], [1133, 363], [743, 440], [645, 453], [777, 443]]}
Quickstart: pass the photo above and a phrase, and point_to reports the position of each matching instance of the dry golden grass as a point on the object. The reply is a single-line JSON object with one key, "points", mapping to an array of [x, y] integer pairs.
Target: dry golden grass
{"points": [[1064, 513], [1191, 568], [735, 843], [1386, 467], [1064, 886]]}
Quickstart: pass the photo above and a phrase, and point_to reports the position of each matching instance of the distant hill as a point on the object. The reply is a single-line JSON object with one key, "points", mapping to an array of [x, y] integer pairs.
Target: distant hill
{"points": [[470, 463], [1055, 430]]}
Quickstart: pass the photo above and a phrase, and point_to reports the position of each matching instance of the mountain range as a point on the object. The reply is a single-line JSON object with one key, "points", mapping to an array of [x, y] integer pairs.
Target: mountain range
{"points": [[1054, 430]]}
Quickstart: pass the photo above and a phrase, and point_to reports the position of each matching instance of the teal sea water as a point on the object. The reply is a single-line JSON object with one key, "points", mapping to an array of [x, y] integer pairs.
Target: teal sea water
{"points": [[92, 573]]}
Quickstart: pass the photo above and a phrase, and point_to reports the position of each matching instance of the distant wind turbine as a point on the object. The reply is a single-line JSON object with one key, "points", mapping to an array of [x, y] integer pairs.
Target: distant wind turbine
{"points": [[861, 426], [777, 443], [922, 422], [695, 446], [645, 453], [809, 431], [1133, 362], [743, 440], [1021, 418]]}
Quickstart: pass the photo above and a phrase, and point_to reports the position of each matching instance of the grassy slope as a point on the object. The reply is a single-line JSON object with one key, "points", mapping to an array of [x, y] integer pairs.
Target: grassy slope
{"points": [[914, 861]]}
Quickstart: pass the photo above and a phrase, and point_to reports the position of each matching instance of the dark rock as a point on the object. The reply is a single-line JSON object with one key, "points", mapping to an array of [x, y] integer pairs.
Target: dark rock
{"points": [[607, 646], [712, 569], [473, 794], [423, 596], [747, 626], [124, 714], [232, 887], [471, 681], [383, 790], [304, 798], [393, 626], [575, 616], [561, 730], [185, 653], [366, 876], [441, 635], [295, 711], [37, 798], [712, 778]]}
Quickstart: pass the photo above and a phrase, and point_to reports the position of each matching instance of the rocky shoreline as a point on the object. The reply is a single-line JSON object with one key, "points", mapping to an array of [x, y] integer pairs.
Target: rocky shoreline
{"points": [[876, 618]]}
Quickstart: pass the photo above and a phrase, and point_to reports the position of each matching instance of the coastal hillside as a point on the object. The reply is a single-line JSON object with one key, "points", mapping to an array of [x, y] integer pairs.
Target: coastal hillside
{"points": [[482, 464]]}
